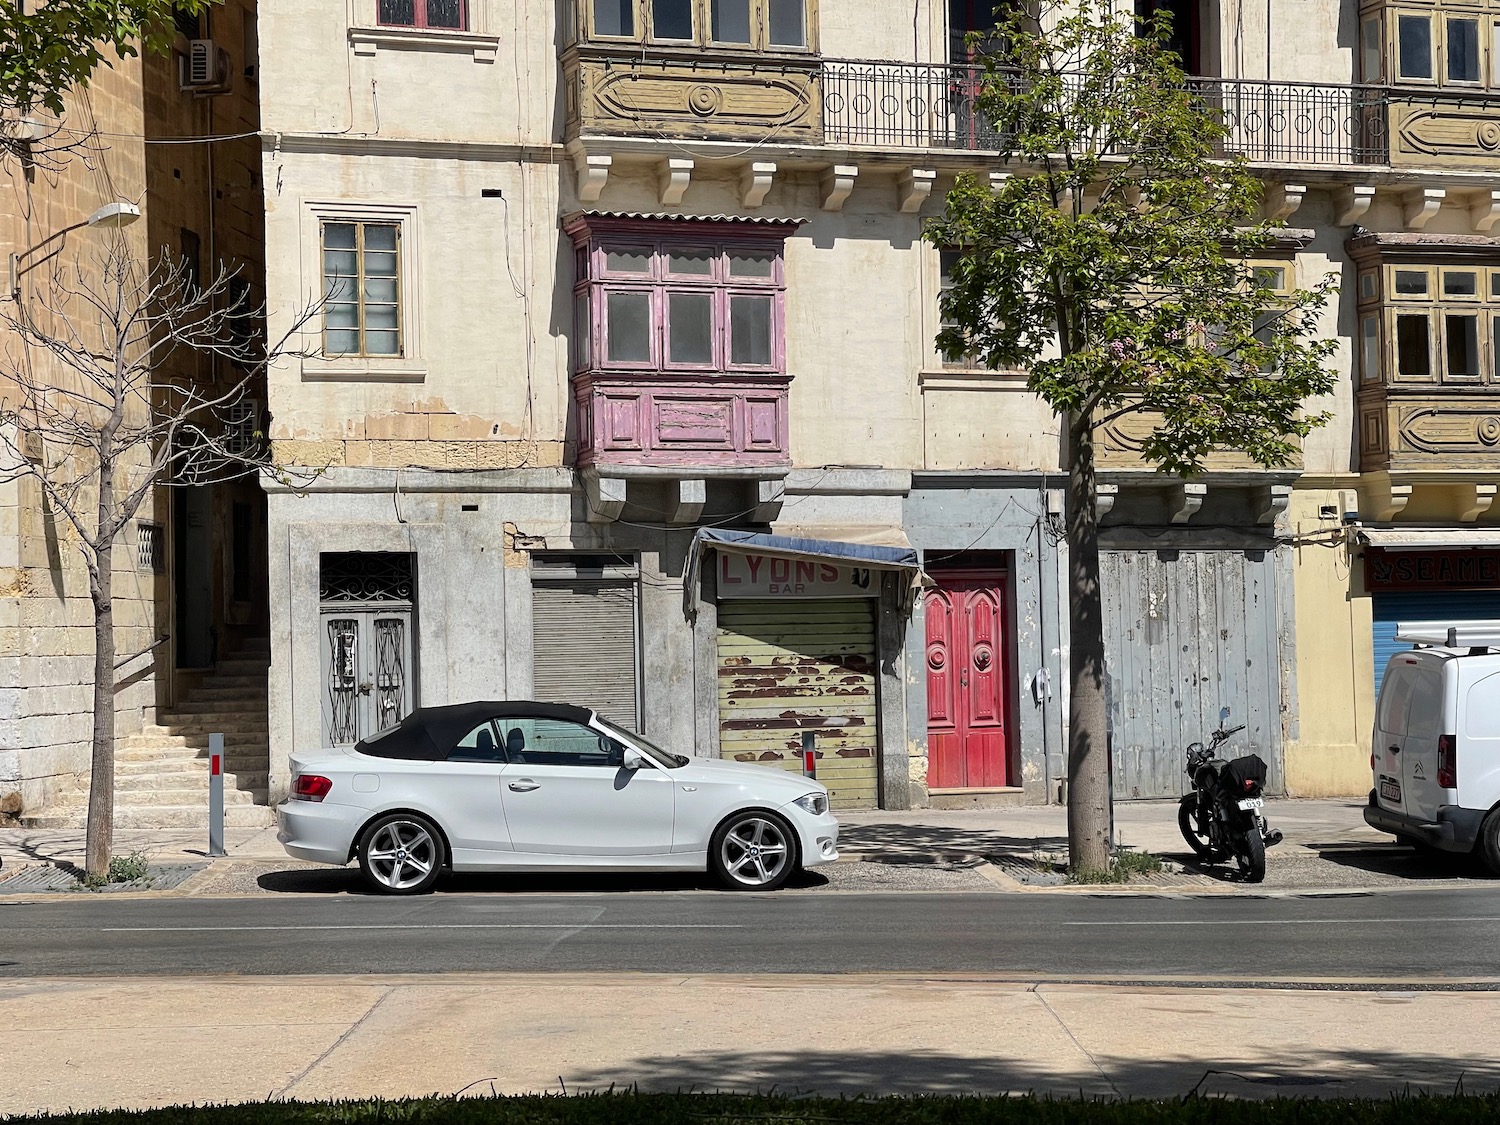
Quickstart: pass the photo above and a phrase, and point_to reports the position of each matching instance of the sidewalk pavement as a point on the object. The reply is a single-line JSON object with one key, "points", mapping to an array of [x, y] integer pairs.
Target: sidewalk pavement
{"points": [[914, 837], [142, 1042]]}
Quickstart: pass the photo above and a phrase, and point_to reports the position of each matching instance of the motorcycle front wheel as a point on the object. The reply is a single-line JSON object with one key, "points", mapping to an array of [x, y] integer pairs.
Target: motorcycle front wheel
{"points": [[1251, 856], [1187, 822]]}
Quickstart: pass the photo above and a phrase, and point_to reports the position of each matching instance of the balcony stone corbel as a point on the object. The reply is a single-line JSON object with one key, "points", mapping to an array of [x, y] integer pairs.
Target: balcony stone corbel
{"points": [[755, 183], [914, 188], [686, 500], [1484, 210], [1353, 202], [1105, 496], [1135, 197], [605, 496], [1186, 498], [1283, 199], [592, 170], [1419, 205], [1477, 501], [1387, 500], [769, 497], [673, 177], [837, 184], [1274, 500], [998, 180]]}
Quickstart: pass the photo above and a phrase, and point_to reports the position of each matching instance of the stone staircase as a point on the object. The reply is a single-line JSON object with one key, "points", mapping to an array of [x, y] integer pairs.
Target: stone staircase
{"points": [[161, 774]]}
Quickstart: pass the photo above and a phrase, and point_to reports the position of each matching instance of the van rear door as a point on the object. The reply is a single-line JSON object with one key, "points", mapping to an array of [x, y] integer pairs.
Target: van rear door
{"points": [[1419, 750], [1390, 731]]}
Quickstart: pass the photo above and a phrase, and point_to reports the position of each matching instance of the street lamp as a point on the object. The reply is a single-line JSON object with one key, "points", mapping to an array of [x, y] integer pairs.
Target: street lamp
{"points": [[111, 216]]}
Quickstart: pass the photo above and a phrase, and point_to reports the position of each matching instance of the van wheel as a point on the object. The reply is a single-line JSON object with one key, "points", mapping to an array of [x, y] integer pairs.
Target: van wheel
{"points": [[1489, 842]]}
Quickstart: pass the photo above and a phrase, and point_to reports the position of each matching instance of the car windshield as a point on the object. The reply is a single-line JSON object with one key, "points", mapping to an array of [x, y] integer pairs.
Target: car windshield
{"points": [[664, 757]]}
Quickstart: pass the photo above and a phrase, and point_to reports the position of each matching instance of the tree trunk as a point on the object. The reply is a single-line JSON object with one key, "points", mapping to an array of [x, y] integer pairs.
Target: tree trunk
{"points": [[99, 839], [1089, 797]]}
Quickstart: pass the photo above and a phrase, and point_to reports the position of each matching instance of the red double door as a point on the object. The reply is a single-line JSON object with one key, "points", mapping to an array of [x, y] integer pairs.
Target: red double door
{"points": [[968, 682]]}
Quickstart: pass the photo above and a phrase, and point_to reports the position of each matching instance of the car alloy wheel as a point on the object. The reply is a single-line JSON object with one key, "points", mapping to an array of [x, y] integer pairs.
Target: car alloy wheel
{"points": [[755, 851], [401, 855]]}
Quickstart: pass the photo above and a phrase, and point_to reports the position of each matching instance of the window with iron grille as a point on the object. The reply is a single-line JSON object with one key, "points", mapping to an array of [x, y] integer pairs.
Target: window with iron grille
{"points": [[448, 15], [150, 555], [241, 428], [362, 289]]}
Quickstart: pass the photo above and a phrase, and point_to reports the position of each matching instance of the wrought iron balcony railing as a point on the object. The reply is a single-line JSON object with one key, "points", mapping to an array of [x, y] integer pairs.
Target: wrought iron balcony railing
{"points": [[934, 106]]}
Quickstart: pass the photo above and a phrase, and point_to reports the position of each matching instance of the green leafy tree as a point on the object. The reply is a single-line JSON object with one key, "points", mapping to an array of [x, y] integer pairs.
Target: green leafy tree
{"points": [[48, 48], [1114, 267]]}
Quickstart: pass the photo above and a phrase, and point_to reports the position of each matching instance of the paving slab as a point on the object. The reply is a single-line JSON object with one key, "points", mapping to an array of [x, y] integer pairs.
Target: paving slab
{"points": [[137, 1043]]}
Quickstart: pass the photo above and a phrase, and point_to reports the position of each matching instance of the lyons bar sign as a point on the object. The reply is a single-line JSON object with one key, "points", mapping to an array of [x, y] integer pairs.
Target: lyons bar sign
{"points": [[767, 576]]}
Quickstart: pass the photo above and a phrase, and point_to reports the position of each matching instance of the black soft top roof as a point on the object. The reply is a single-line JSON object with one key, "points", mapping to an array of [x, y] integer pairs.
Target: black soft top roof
{"points": [[428, 733]]}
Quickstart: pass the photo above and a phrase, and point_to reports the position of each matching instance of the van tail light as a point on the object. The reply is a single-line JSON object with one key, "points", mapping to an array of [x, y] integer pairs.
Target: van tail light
{"points": [[1372, 760], [1447, 762], [310, 787]]}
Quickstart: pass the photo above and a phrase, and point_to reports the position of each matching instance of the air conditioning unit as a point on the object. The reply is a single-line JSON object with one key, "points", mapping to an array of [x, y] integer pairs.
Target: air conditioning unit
{"points": [[205, 68]]}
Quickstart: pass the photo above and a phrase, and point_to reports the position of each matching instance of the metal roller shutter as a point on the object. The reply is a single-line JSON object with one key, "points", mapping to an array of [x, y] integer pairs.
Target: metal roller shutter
{"points": [[1452, 606], [583, 636], [789, 666]]}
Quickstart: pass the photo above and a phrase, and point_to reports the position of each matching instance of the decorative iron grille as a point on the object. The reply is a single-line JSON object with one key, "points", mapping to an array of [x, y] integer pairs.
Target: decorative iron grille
{"points": [[148, 546], [242, 428], [934, 106], [390, 671], [366, 576], [343, 677]]}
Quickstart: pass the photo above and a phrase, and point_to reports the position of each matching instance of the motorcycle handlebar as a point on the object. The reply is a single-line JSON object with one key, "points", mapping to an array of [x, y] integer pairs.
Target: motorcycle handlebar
{"points": [[1223, 734]]}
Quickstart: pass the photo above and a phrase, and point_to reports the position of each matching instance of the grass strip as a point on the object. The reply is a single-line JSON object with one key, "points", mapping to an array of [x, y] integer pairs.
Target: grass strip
{"points": [[630, 1108]]}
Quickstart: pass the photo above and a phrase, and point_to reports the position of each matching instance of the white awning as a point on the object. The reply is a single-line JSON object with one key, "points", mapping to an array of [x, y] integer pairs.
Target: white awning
{"points": [[1429, 538]]}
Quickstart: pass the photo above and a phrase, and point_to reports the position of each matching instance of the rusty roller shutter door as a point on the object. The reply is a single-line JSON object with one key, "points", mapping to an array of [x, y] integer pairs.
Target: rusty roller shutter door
{"points": [[583, 636], [790, 666]]}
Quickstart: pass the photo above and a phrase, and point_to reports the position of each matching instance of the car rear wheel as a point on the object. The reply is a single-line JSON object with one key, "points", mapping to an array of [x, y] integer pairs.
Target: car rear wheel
{"points": [[753, 851], [401, 854], [1489, 842]]}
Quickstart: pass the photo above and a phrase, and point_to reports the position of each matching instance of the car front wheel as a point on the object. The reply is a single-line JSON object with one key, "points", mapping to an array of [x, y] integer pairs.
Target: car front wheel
{"points": [[753, 851], [401, 854]]}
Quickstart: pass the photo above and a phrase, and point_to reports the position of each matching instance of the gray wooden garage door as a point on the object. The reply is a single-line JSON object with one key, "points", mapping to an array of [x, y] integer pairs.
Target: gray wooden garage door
{"points": [[1185, 636]]}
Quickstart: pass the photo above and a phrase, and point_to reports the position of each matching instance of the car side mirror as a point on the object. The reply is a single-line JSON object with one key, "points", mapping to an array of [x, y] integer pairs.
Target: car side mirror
{"points": [[632, 760]]}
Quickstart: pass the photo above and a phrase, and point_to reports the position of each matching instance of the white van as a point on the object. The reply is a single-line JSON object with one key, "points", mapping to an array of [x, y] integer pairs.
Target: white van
{"points": [[1436, 745]]}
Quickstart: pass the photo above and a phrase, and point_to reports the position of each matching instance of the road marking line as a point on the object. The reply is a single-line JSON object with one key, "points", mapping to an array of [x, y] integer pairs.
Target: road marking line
{"points": [[1289, 922], [423, 926]]}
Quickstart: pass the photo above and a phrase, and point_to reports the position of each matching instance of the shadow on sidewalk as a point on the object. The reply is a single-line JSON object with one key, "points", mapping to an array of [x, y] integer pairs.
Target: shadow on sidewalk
{"points": [[1306, 1072], [921, 843]]}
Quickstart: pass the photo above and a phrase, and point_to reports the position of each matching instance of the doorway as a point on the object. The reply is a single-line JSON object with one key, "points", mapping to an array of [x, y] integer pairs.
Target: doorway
{"points": [[366, 625], [970, 644]]}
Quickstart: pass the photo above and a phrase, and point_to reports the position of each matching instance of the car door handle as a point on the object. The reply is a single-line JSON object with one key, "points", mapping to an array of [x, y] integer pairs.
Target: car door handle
{"points": [[1394, 749], [524, 786]]}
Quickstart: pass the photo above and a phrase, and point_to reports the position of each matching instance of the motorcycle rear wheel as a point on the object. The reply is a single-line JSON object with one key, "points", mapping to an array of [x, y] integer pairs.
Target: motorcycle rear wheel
{"points": [[1252, 856], [1187, 823]]}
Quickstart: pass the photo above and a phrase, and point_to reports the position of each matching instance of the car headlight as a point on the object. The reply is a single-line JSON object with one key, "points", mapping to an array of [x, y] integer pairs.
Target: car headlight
{"points": [[815, 803]]}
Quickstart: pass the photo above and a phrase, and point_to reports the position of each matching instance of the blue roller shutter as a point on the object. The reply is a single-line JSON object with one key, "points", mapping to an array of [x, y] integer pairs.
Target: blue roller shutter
{"points": [[1451, 606]]}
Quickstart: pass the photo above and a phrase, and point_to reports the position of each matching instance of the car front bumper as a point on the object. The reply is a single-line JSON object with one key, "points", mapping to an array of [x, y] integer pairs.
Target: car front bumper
{"points": [[1455, 829], [316, 831], [818, 836]]}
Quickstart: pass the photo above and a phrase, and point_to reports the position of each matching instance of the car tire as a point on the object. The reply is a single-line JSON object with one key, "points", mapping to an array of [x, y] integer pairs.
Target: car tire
{"points": [[1489, 842], [401, 854], [753, 850]]}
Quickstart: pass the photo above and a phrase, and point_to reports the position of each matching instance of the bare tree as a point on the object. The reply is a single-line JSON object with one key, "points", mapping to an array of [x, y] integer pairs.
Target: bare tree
{"points": [[121, 379]]}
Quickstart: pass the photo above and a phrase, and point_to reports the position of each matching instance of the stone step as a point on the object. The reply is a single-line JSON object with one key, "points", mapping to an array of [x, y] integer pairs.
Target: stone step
{"points": [[172, 778], [186, 760], [169, 797], [193, 707], [256, 681], [162, 816], [257, 740], [245, 724], [212, 690], [241, 666], [232, 753]]}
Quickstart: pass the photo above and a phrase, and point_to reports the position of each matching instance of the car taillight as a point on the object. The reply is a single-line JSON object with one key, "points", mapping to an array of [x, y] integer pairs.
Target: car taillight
{"points": [[310, 787], [1447, 762]]}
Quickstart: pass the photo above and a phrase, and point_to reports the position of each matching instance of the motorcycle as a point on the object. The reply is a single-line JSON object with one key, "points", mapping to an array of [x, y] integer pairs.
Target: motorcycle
{"points": [[1222, 816]]}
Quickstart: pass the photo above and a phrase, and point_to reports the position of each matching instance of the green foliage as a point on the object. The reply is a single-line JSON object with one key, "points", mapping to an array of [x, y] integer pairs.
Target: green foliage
{"points": [[122, 869], [1114, 265], [1124, 866], [728, 1109], [46, 51]]}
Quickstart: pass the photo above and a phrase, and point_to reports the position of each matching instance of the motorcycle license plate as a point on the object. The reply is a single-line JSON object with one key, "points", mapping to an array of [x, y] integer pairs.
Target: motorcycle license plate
{"points": [[1252, 803], [1390, 789]]}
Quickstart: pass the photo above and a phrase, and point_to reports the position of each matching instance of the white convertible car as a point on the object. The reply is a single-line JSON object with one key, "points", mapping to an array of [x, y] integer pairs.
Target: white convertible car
{"points": [[516, 786]]}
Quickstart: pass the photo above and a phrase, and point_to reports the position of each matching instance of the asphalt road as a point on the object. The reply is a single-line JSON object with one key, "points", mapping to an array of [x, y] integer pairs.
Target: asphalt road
{"points": [[1431, 937]]}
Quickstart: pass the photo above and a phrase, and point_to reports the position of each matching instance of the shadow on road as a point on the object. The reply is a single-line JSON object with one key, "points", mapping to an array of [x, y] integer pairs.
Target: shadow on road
{"points": [[348, 880], [1295, 1073]]}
